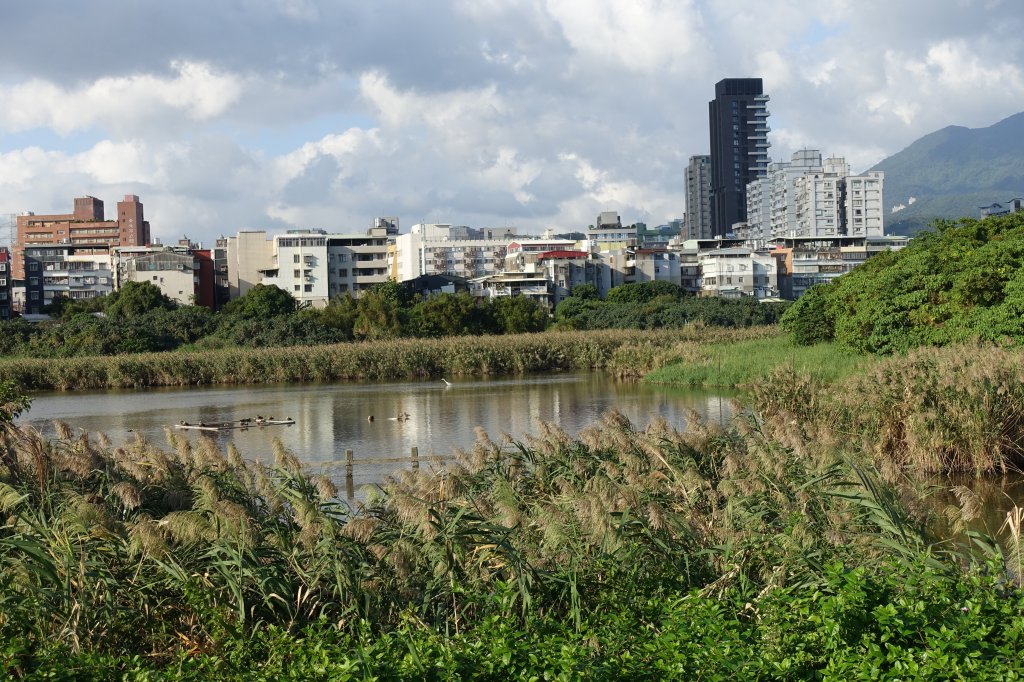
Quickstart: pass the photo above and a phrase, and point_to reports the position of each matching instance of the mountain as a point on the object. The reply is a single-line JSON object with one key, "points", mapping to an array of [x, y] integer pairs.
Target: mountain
{"points": [[952, 172]]}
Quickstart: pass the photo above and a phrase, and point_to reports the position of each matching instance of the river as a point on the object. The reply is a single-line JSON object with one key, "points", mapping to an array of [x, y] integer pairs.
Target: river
{"points": [[331, 418]]}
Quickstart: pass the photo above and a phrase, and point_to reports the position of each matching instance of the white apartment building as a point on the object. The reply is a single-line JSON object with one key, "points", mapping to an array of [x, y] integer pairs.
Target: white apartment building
{"points": [[811, 198], [737, 272], [864, 205], [442, 249], [312, 265]]}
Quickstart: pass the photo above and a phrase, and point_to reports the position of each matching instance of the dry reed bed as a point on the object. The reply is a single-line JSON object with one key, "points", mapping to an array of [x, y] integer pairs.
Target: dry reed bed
{"points": [[622, 352], [143, 551], [958, 409]]}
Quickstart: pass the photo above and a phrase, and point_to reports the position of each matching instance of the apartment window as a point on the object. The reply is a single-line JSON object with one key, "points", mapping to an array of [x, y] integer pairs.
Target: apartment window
{"points": [[309, 288], [342, 272], [33, 267], [296, 287], [295, 258], [296, 273]]}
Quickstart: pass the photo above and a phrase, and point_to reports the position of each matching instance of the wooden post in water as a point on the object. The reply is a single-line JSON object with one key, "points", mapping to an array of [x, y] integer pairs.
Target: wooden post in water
{"points": [[415, 458], [348, 468]]}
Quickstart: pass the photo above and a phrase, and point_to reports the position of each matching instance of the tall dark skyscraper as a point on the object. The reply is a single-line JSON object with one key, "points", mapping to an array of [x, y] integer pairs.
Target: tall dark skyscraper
{"points": [[739, 147]]}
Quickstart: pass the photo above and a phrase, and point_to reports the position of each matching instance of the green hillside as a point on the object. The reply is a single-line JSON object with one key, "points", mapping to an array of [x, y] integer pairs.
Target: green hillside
{"points": [[952, 172]]}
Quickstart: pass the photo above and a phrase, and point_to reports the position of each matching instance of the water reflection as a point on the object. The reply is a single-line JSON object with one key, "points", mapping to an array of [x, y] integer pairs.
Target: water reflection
{"points": [[334, 417]]}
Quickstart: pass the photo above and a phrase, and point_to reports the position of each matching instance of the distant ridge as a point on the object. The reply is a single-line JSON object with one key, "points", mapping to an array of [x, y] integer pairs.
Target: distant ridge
{"points": [[952, 172]]}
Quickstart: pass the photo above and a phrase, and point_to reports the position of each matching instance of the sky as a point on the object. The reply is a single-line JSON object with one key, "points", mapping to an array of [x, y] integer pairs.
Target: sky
{"points": [[282, 114]]}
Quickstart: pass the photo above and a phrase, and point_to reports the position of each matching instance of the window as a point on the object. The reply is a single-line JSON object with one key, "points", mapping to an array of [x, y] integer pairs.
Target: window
{"points": [[309, 288], [296, 287], [295, 258], [33, 266], [296, 273], [342, 272]]}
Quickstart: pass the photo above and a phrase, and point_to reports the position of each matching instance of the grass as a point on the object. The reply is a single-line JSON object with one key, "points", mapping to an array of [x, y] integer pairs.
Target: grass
{"points": [[620, 352], [746, 362]]}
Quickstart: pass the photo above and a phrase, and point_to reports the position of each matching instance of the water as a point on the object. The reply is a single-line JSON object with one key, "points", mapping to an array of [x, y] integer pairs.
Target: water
{"points": [[333, 417]]}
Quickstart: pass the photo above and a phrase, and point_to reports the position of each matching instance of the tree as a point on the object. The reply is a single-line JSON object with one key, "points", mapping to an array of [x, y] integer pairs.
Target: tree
{"points": [[586, 292], [642, 292], [260, 303], [520, 314], [383, 310], [136, 298], [808, 320]]}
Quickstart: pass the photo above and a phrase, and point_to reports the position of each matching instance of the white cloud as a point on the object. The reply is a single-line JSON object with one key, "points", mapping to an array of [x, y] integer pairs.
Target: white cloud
{"points": [[197, 92]]}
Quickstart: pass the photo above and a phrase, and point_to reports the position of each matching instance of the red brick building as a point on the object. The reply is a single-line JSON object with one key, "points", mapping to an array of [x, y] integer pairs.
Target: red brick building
{"points": [[86, 226]]}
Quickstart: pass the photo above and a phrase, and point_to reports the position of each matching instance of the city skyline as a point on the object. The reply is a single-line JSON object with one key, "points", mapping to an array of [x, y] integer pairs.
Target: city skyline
{"points": [[532, 114]]}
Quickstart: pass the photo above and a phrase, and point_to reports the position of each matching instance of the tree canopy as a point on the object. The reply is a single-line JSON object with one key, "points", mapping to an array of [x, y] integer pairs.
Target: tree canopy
{"points": [[963, 281]]}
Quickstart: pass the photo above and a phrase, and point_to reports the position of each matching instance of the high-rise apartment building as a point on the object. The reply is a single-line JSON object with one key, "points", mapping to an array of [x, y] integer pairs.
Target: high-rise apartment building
{"points": [[698, 198], [85, 229], [738, 119], [812, 198]]}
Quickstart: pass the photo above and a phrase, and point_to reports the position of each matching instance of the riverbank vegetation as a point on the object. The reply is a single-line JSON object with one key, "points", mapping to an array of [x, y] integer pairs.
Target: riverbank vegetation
{"points": [[621, 352], [622, 553], [962, 282], [139, 319], [660, 305]]}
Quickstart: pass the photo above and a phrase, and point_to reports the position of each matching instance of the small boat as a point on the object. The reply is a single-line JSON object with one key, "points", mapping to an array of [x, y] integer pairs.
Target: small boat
{"points": [[237, 424]]}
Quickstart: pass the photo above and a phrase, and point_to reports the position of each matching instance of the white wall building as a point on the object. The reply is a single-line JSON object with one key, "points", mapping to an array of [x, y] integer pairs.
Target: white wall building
{"points": [[737, 272], [247, 254], [173, 271], [441, 249]]}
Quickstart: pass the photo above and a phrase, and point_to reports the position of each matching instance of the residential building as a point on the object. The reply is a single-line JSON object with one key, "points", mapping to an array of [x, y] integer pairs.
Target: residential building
{"points": [[184, 273], [737, 272], [1007, 207], [809, 197], [863, 215], [86, 228], [245, 255], [314, 266], [806, 261], [656, 265], [738, 118], [457, 250], [609, 232], [6, 284], [567, 269], [71, 271], [698, 198]]}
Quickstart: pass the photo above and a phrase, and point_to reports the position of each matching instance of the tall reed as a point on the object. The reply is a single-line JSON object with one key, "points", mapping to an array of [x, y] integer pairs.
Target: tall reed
{"points": [[623, 352]]}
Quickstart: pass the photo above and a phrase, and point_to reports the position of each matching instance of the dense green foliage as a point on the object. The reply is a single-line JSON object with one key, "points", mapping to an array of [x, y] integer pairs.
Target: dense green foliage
{"points": [[139, 319], [660, 305], [617, 554], [963, 282]]}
